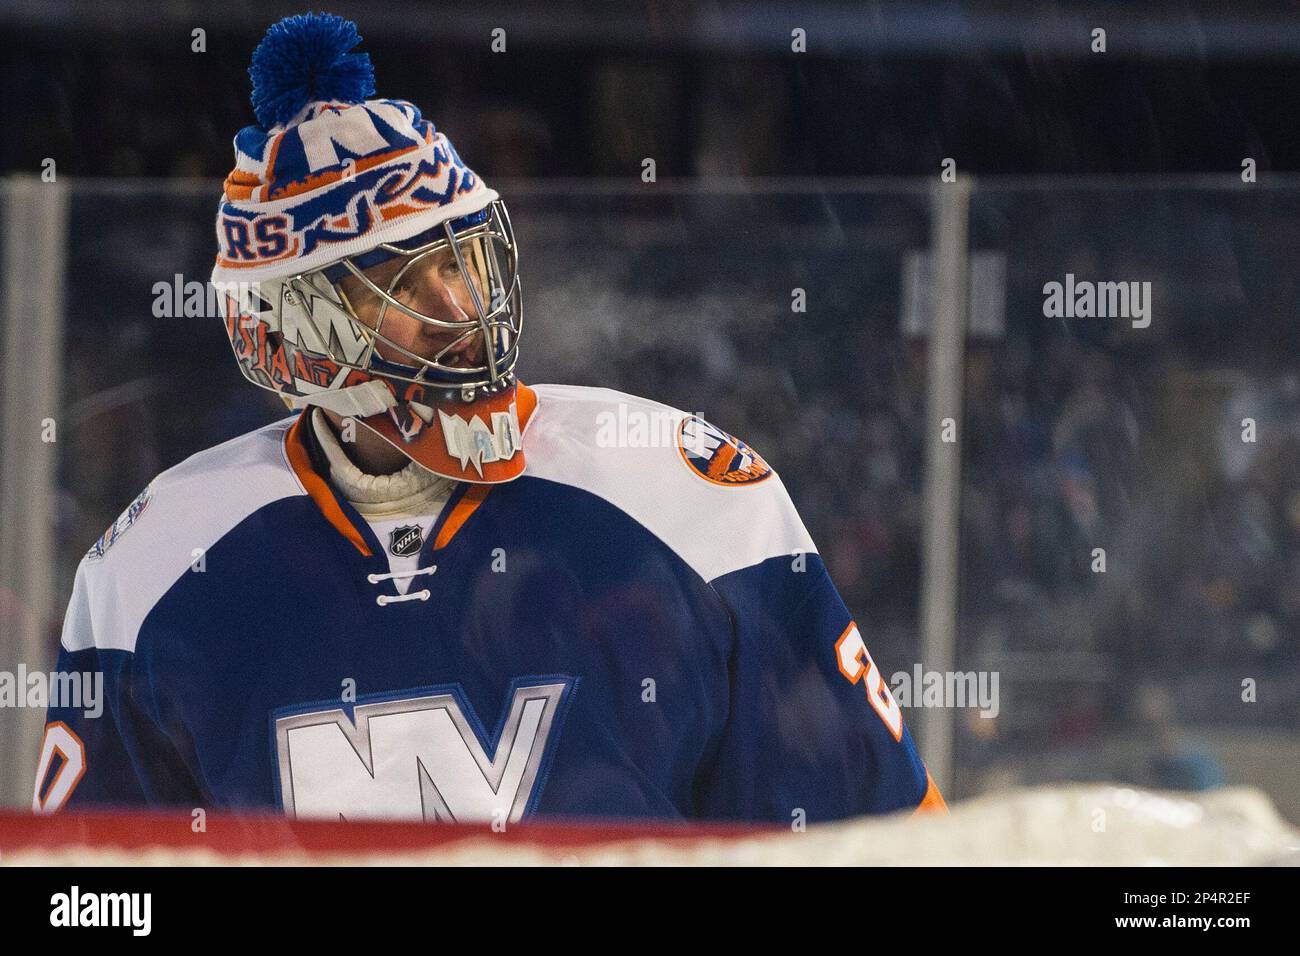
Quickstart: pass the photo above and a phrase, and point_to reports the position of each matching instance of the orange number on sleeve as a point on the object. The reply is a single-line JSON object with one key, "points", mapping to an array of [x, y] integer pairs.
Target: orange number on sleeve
{"points": [[855, 664], [59, 739]]}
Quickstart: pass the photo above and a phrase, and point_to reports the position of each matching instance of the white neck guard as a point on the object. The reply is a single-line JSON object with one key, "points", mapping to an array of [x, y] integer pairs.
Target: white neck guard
{"points": [[409, 491]]}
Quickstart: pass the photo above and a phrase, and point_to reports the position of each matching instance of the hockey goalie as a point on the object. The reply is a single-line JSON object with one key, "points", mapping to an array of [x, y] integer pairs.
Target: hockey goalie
{"points": [[435, 592]]}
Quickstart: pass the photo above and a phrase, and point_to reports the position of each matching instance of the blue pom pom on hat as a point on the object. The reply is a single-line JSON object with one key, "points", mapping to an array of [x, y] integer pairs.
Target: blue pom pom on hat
{"points": [[305, 59]]}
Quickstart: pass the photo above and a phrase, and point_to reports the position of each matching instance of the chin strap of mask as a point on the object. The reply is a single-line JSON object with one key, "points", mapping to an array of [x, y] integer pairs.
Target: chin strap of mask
{"points": [[356, 401]]}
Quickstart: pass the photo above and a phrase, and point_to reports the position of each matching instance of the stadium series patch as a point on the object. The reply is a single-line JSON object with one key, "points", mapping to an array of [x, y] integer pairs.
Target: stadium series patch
{"points": [[118, 528]]}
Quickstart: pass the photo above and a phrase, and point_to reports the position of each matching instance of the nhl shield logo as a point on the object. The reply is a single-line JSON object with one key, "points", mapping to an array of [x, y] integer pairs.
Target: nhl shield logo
{"points": [[405, 540]]}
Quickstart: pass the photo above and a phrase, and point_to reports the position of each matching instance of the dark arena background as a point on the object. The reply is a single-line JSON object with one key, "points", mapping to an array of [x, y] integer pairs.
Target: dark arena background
{"points": [[833, 229]]}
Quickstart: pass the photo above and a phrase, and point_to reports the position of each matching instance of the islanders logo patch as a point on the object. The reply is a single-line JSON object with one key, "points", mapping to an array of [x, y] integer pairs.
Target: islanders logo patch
{"points": [[118, 528], [718, 457]]}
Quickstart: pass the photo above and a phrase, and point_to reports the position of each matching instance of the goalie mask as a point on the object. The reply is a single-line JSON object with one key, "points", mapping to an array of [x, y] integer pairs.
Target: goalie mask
{"points": [[365, 267]]}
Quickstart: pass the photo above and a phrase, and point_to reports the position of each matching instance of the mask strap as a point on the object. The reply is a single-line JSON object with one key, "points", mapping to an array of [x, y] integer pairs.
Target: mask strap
{"points": [[356, 401]]}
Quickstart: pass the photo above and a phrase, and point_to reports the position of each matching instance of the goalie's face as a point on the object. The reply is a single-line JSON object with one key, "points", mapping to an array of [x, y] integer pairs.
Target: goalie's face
{"points": [[440, 310], [439, 286]]}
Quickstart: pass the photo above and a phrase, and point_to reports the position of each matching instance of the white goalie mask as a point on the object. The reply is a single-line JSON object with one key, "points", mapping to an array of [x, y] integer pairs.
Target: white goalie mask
{"points": [[331, 329], [417, 339]]}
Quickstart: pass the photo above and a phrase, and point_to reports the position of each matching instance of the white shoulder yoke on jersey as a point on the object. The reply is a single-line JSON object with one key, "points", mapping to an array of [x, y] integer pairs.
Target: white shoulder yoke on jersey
{"points": [[628, 451], [184, 511]]}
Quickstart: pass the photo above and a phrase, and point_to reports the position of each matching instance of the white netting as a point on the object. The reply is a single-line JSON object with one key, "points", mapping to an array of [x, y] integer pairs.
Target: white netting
{"points": [[1071, 825]]}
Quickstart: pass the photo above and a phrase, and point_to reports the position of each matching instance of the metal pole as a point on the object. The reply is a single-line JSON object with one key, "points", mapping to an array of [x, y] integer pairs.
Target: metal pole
{"points": [[34, 223], [942, 492]]}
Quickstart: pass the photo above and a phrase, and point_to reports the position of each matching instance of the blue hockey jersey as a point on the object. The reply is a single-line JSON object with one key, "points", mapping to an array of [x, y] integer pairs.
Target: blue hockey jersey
{"points": [[638, 627]]}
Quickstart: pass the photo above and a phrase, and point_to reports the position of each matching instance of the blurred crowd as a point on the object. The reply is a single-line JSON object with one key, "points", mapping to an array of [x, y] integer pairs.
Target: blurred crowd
{"points": [[713, 90]]}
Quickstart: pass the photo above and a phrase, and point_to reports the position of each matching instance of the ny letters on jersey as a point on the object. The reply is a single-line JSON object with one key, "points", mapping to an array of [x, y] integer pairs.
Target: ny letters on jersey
{"points": [[419, 757]]}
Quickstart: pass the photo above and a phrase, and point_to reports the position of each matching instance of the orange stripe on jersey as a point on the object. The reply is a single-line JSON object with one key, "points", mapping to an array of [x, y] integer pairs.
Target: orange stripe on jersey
{"points": [[933, 801], [467, 505], [296, 451], [525, 404]]}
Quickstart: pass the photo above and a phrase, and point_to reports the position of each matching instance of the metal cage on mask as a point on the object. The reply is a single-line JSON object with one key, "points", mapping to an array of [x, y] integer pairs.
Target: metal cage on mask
{"points": [[483, 245]]}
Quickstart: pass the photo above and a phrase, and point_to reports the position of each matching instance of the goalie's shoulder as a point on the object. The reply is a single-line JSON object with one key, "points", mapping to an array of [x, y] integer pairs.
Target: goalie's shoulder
{"points": [[167, 529], [706, 493]]}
